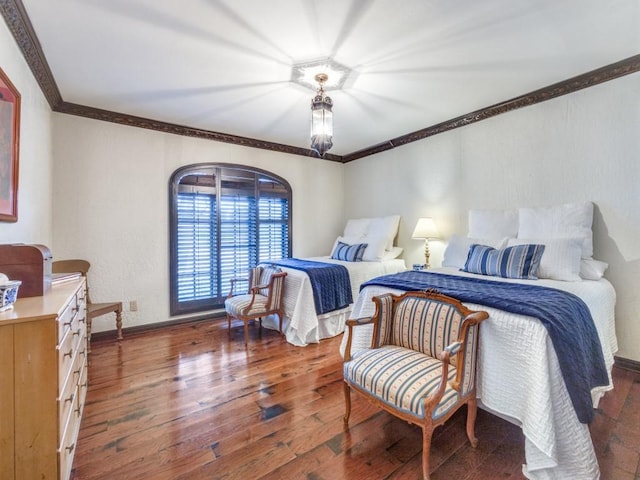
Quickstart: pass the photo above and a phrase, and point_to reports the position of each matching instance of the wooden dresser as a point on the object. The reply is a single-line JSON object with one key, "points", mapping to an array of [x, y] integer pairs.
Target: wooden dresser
{"points": [[43, 382]]}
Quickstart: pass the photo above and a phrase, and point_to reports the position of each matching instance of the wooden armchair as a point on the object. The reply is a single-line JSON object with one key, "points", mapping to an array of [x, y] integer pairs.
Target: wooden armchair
{"points": [[93, 309], [265, 297], [402, 373]]}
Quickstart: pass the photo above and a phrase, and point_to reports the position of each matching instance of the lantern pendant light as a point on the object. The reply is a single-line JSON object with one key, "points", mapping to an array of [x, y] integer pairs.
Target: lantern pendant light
{"points": [[321, 118]]}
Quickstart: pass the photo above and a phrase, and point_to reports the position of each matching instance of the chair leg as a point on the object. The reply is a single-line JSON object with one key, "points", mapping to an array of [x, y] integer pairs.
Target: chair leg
{"points": [[427, 433], [472, 411], [119, 323], [246, 332], [347, 401], [229, 326], [88, 334]]}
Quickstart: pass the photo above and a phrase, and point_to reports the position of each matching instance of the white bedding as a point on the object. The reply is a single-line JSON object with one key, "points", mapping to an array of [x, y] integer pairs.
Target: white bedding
{"points": [[519, 377], [301, 324]]}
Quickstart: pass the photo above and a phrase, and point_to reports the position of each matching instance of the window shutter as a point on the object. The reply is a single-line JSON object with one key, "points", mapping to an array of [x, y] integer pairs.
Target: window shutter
{"points": [[224, 222]]}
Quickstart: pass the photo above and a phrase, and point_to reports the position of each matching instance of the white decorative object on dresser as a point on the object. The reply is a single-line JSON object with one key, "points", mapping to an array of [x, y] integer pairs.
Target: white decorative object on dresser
{"points": [[43, 382]]}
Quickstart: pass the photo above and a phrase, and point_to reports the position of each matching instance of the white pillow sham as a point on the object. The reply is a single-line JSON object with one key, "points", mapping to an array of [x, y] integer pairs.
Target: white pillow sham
{"points": [[561, 257], [386, 227], [493, 224], [395, 252], [561, 221], [591, 269], [457, 251]]}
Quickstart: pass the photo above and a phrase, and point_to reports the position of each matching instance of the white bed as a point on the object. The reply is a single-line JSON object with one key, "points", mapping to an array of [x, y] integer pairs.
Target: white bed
{"points": [[519, 377], [301, 323]]}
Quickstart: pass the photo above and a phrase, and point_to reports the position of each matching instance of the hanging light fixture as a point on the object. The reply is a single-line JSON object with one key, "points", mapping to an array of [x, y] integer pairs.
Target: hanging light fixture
{"points": [[321, 118]]}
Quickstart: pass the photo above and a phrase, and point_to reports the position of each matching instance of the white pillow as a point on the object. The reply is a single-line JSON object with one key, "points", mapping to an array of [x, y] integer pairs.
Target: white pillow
{"points": [[591, 269], [386, 227], [561, 257], [356, 227], [375, 248], [395, 252], [496, 224], [562, 221], [457, 251]]}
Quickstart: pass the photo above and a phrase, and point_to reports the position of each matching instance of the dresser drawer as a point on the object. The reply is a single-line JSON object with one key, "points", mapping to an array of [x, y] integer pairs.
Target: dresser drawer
{"points": [[65, 319], [66, 354], [67, 445], [69, 389]]}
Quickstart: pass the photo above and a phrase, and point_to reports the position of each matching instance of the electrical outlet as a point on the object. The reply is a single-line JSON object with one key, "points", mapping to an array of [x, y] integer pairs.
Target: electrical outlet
{"points": [[133, 306]]}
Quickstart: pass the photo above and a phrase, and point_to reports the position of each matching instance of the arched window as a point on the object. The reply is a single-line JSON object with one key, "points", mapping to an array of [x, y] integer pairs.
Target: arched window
{"points": [[224, 220]]}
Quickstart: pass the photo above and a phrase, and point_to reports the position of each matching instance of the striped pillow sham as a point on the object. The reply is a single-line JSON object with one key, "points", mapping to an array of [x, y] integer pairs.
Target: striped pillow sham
{"points": [[519, 261], [348, 253]]}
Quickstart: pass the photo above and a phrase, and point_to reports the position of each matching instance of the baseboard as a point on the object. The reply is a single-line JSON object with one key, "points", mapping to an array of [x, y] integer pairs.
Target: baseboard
{"points": [[627, 364], [113, 334]]}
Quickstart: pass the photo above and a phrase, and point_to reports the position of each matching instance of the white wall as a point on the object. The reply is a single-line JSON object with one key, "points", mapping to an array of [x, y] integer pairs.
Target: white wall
{"points": [[111, 205], [35, 158], [583, 146]]}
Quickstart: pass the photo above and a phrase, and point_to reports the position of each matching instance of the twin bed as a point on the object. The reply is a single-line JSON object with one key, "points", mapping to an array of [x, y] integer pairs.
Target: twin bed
{"points": [[303, 322], [520, 376]]}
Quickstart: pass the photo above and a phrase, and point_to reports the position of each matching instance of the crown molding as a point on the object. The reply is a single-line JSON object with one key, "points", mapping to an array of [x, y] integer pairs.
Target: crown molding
{"points": [[579, 82], [165, 127], [20, 26]]}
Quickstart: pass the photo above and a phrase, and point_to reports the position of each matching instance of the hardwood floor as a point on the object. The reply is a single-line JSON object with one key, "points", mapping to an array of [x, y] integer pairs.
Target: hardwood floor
{"points": [[184, 402]]}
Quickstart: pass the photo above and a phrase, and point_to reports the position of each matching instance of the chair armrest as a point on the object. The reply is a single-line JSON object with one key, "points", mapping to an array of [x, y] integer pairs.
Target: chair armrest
{"points": [[354, 322], [233, 281], [451, 350]]}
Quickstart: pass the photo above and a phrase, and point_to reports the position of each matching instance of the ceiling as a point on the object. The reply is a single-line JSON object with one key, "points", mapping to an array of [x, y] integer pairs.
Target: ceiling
{"points": [[226, 66]]}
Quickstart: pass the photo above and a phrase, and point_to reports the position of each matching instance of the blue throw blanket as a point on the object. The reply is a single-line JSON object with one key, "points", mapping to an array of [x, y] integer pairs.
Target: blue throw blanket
{"points": [[565, 316], [330, 282]]}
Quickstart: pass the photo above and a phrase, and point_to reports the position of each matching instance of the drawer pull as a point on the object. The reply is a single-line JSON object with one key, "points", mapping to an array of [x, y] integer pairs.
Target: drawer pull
{"points": [[70, 399], [70, 447], [68, 354], [77, 372], [77, 332], [82, 352], [77, 410], [67, 324]]}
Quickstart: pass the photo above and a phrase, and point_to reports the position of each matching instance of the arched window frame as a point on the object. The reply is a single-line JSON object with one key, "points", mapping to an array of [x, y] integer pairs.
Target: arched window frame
{"points": [[237, 216]]}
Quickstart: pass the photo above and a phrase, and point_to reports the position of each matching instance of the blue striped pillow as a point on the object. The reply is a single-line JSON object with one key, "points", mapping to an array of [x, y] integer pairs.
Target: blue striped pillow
{"points": [[519, 261], [349, 253]]}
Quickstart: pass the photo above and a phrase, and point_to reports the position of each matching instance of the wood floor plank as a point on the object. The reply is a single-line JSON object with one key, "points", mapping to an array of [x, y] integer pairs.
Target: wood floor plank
{"points": [[185, 402]]}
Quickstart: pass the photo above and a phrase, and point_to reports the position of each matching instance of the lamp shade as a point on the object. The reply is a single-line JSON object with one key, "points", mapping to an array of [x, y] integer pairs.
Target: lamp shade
{"points": [[425, 228]]}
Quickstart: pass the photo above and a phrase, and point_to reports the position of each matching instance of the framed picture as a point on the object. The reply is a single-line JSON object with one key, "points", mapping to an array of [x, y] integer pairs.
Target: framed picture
{"points": [[9, 148]]}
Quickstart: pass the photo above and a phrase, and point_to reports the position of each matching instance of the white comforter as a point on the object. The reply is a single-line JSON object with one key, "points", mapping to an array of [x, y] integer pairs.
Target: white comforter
{"points": [[301, 324], [519, 377]]}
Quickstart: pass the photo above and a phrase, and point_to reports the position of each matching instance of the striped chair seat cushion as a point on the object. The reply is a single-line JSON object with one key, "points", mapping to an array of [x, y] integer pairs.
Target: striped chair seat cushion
{"points": [[235, 305], [400, 377]]}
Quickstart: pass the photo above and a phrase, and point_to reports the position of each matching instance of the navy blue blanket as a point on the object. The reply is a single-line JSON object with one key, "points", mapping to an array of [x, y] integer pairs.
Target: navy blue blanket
{"points": [[330, 282], [565, 316]]}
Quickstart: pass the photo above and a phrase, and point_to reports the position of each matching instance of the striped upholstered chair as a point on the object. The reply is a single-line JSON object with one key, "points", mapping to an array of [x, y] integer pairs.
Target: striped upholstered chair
{"points": [[422, 362], [265, 297]]}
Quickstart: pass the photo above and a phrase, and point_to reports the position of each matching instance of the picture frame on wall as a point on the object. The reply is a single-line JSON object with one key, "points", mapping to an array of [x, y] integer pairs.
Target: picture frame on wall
{"points": [[9, 148]]}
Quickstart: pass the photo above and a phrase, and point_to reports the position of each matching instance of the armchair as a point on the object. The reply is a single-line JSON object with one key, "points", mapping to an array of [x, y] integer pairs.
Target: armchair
{"points": [[422, 362], [265, 297]]}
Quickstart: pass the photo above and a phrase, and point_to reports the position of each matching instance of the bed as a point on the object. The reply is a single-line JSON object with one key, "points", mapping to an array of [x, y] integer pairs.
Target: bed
{"points": [[302, 323], [519, 375]]}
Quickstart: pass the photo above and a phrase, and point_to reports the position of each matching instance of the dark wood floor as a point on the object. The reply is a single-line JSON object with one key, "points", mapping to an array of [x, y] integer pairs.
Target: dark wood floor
{"points": [[184, 402]]}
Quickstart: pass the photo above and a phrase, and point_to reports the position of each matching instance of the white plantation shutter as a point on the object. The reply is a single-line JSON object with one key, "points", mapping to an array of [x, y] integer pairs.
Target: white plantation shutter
{"points": [[224, 222]]}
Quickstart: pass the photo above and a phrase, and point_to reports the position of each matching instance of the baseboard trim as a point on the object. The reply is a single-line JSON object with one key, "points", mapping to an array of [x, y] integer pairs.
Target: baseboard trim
{"points": [[627, 364], [113, 334]]}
